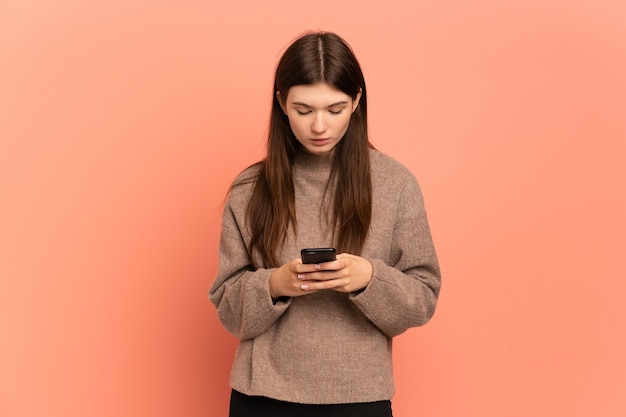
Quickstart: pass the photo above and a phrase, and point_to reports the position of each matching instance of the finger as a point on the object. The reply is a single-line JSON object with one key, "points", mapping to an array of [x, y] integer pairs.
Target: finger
{"points": [[306, 268], [326, 285], [320, 276], [328, 266]]}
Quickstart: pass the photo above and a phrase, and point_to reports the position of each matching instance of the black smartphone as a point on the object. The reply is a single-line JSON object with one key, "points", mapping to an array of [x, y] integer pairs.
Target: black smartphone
{"points": [[318, 255]]}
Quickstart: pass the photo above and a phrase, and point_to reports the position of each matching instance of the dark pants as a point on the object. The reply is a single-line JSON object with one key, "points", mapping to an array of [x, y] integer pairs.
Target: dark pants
{"points": [[242, 405]]}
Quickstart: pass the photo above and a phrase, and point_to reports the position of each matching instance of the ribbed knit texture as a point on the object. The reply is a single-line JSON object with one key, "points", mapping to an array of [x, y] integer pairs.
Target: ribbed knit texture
{"points": [[328, 347]]}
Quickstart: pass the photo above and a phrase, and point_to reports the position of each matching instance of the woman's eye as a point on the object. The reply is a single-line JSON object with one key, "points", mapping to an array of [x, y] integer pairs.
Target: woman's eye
{"points": [[303, 112], [335, 111]]}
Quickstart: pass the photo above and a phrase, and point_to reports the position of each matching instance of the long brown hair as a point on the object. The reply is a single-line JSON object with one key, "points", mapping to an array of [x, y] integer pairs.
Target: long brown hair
{"points": [[313, 58]]}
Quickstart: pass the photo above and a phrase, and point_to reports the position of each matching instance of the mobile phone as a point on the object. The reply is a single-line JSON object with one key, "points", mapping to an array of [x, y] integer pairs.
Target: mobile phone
{"points": [[318, 255]]}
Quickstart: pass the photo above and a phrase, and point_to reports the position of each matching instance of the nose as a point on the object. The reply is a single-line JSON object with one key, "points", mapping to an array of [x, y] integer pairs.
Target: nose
{"points": [[319, 123]]}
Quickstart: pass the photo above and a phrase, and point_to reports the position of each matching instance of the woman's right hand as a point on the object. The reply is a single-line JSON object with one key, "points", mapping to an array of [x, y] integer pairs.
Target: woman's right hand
{"points": [[288, 280]]}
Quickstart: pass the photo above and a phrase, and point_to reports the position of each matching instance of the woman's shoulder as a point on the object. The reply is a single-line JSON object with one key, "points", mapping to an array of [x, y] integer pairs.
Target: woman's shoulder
{"points": [[384, 167], [392, 180], [244, 182], [248, 175]]}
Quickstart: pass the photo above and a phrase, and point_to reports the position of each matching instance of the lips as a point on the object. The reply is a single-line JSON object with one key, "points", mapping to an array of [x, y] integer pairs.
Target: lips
{"points": [[320, 141]]}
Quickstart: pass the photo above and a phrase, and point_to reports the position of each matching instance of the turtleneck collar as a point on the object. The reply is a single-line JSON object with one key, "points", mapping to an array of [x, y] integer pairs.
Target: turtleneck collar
{"points": [[310, 162], [313, 170]]}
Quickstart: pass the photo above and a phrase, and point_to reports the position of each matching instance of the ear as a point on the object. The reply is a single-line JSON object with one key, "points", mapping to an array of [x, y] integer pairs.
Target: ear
{"points": [[355, 102], [280, 101]]}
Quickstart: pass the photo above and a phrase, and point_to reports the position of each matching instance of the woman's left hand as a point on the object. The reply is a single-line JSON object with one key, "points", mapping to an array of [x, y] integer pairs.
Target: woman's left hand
{"points": [[348, 273]]}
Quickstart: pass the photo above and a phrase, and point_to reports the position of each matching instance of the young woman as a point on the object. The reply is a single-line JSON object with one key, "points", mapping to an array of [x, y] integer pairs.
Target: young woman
{"points": [[315, 339]]}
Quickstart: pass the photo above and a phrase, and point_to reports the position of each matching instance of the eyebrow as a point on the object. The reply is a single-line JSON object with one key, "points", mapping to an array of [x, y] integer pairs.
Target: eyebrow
{"points": [[339, 103]]}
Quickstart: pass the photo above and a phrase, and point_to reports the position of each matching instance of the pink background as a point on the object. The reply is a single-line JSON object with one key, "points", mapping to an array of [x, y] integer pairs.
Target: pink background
{"points": [[123, 122]]}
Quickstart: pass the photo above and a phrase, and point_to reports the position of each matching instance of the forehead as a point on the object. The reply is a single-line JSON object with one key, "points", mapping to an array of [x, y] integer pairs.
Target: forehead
{"points": [[320, 94]]}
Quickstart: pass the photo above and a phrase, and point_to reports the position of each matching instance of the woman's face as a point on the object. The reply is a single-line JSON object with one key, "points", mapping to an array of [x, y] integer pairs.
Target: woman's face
{"points": [[319, 115]]}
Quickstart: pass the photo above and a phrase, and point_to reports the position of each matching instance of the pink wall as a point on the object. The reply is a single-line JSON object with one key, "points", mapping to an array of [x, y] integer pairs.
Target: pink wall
{"points": [[123, 122]]}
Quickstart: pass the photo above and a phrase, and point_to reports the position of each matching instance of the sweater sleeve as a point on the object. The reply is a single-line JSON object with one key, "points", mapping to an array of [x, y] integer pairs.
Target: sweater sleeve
{"points": [[240, 293], [403, 293]]}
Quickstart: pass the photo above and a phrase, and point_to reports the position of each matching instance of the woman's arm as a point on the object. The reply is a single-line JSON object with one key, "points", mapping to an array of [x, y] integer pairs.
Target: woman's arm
{"points": [[403, 293], [241, 294]]}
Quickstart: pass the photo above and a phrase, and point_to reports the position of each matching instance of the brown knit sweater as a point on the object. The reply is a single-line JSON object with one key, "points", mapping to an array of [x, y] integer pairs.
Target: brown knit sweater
{"points": [[328, 347]]}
